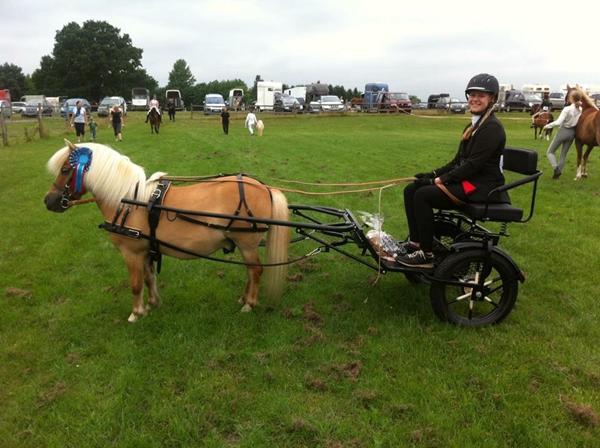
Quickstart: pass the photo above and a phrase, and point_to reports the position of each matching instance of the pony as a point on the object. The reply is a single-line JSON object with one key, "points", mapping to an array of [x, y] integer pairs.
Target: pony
{"points": [[541, 120], [155, 119], [260, 127], [110, 176], [587, 131]]}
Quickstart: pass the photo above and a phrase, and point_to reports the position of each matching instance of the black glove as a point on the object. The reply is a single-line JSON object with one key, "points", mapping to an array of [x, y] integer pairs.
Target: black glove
{"points": [[424, 181], [425, 175]]}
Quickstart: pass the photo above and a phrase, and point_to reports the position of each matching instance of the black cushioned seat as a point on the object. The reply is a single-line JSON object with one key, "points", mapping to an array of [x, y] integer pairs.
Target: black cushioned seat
{"points": [[518, 160], [495, 212]]}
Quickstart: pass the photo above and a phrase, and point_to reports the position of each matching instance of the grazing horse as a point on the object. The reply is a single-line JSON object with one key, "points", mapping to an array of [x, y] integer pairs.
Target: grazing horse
{"points": [[587, 131], [110, 176], [541, 120], [155, 119]]}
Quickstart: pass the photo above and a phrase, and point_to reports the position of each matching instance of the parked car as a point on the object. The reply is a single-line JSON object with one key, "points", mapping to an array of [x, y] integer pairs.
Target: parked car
{"points": [[31, 108], [394, 102], [557, 99], [213, 103], [286, 103], [458, 107], [518, 100], [18, 107], [433, 99], [6, 108], [107, 104], [68, 107], [327, 103]]}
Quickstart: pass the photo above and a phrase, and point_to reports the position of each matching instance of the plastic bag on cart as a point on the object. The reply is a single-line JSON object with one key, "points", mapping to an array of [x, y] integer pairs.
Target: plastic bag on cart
{"points": [[383, 243]]}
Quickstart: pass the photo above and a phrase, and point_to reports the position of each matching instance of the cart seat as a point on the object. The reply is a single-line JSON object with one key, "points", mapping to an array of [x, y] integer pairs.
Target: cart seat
{"points": [[494, 212], [518, 160]]}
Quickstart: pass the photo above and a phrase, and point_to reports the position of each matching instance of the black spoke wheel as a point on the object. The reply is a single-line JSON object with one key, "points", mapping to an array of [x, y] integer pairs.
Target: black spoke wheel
{"points": [[474, 306]]}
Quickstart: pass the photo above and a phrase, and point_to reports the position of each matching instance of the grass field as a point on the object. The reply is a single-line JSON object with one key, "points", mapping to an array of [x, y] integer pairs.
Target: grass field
{"points": [[338, 362]]}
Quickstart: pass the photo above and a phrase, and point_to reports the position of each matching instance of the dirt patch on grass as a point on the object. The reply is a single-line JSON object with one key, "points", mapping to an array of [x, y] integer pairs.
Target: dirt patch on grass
{"points": [[583, 414], [316, 384], [50, 395], [17, 293], [350, 370], [297, 277]]}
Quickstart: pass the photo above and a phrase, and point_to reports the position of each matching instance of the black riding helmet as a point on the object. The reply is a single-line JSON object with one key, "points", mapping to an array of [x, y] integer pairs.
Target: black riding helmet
{"points": [[483, 82]]}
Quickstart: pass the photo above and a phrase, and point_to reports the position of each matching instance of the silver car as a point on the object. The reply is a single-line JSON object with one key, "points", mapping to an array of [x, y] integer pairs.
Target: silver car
{"points": [[108, 102]]}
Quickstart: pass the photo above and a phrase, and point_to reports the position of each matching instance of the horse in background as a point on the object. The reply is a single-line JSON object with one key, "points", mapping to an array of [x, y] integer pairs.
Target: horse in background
{"points": [[155, 119], [587, 131], [539, 121], [110, 176]]}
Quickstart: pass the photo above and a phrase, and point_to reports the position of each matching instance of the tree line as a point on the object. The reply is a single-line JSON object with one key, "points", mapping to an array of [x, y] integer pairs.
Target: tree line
{"points": [[96, 59]]}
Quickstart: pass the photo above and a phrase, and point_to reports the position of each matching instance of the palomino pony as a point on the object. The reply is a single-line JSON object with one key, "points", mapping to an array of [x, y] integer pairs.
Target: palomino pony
{"points": [[540, 121], [587, 131], [155, 119], [110, 176]]}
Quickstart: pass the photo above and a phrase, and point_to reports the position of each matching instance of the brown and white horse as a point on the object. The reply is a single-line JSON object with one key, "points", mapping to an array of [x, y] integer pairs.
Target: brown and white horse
{"points": [[539, 121], [587, 131], [110, 176]]}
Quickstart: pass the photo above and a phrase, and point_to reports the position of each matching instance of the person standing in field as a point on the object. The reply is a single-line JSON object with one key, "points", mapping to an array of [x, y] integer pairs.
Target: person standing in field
{"points": [[171, 109], [117, 121], [93, 126], [225, 121], [567, 122], [79, 120], [251, 121]]}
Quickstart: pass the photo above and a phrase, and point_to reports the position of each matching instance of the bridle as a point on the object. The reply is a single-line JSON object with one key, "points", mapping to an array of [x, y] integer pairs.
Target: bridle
{"points": [[65, 183]]}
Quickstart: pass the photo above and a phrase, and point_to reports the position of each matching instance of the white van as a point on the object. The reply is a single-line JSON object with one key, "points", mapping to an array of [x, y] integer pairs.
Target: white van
{"points": [[214, 103]]}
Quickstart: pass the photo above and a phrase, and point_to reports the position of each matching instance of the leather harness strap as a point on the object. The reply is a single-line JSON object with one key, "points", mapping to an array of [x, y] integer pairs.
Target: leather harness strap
{"points": [[447, 192], [156, 198]]}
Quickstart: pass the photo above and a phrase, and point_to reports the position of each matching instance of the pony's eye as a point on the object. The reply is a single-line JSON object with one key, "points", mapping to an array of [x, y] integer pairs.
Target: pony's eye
{"points": [[65, 171]]}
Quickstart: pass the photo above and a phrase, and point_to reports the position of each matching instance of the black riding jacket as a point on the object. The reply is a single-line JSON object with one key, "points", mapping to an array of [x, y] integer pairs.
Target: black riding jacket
{"points": [[478, 162]]}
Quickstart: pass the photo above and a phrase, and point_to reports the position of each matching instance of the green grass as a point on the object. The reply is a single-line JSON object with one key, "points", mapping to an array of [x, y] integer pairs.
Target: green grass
{"points": [[338, 362]]}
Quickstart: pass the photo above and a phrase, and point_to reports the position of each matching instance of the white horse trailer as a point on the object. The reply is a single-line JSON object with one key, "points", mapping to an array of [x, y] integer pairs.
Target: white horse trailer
{"points": [[536, 88], [265, 94], [174, 95], [236, 99]]}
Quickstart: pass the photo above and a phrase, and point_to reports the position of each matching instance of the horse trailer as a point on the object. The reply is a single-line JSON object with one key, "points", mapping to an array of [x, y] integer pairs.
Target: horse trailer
{"points": [[236, 99], [174, 95], [140, 98], [265, 94], [372, 90]]}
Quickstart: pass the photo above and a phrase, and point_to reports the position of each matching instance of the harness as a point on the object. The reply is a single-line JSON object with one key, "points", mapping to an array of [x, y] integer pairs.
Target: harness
{"points": [[155, 208]]}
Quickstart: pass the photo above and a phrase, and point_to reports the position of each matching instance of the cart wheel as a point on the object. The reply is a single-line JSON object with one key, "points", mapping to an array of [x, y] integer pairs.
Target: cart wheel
{"points": [[457, 305]]}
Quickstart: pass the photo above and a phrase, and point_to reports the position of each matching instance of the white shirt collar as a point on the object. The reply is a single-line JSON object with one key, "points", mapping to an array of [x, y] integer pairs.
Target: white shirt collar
{"points": [[475, 119]]}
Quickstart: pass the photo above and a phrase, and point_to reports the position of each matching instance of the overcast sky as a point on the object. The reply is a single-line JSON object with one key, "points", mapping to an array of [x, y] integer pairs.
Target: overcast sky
{"points": [[419, 47]]}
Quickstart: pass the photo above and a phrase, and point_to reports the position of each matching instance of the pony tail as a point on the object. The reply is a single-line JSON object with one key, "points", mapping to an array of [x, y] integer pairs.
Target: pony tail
{"points": [[278, 240]]}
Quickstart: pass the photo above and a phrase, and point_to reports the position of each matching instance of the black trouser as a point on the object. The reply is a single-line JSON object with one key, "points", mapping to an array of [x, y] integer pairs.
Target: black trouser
{"points": [[419, 202], [226, 126]]}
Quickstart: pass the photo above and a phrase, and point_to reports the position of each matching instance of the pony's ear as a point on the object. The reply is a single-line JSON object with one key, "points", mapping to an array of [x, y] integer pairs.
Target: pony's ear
{"points": [[70, 145]]}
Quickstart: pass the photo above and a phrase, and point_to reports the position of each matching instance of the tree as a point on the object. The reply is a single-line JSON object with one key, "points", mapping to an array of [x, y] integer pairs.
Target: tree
{"points": [[12, 78], [414, 99], [92, 61], [181, 76]]}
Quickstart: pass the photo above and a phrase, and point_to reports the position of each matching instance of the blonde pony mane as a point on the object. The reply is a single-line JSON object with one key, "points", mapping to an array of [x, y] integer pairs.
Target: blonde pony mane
{"points": [[112, 176], [585, 99]]}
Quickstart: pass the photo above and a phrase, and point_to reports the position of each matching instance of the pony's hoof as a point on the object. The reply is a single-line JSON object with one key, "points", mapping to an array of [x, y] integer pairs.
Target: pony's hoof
{"points": [[132, 318], [246, 309]]}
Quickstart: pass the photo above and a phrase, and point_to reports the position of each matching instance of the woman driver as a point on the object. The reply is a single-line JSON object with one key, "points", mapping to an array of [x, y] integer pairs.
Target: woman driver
{"points": [[472, 173]]}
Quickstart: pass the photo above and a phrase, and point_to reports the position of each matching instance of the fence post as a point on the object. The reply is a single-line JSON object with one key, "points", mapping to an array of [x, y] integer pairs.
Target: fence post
{"points": [[3, 127], [40, 119]]}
